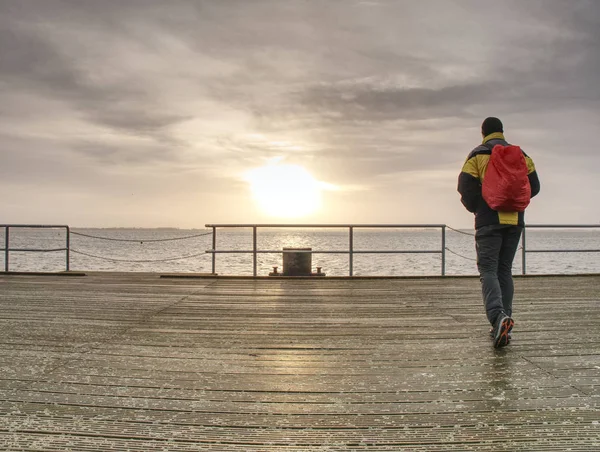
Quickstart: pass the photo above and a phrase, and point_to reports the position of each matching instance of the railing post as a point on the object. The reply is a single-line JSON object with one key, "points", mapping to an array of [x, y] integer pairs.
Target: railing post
{"points": [[214, 248], [351, 250], [524, 251], [254, 250], [68, 248], [6, 246], [444, 250]]}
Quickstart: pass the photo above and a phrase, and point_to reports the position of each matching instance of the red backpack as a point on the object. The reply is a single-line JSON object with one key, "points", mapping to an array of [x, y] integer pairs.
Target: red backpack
{"points": [[506, 185]]}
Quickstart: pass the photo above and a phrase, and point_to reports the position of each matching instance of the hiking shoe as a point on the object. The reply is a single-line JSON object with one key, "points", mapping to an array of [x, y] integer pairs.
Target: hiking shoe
{"points": [[509, 333], [501, 330]]}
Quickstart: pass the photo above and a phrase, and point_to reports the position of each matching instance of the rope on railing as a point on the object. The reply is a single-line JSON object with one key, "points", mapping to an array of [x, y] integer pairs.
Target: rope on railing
{"points": [[460, 255], [459, 231], [137, 261], [139, 240]]}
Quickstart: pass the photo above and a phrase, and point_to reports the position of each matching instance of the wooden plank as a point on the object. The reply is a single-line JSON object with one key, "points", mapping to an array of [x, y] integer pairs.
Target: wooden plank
{"points": [[137, 362]]}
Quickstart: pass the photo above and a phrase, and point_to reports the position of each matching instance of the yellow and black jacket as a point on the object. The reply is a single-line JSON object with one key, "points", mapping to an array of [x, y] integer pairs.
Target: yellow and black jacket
{"points": [[471, 177]]}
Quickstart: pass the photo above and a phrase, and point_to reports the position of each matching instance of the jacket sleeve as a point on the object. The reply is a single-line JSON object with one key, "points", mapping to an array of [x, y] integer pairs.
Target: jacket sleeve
{"points": [[534, 180], [469, 185]]}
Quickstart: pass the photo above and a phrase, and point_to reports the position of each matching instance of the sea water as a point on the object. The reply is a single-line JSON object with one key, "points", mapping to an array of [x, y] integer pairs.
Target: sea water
{"points": [[168, 250]]}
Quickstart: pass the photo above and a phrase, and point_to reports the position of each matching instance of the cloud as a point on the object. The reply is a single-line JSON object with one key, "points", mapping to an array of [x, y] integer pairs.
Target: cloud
{"points": [[33, 61], [367, 94], [367, 102]]}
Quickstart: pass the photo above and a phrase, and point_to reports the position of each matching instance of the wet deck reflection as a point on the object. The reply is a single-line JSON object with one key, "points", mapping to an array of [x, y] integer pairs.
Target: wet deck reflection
{"points": [[136, 362]]}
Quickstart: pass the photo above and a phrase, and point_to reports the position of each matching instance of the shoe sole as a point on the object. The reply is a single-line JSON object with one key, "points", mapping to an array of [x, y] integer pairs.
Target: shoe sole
{"points": [[502, 338]]}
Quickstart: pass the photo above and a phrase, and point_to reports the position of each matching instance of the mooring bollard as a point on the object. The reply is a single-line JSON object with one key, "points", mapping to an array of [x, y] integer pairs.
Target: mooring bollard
{"points": [[297, 261]]}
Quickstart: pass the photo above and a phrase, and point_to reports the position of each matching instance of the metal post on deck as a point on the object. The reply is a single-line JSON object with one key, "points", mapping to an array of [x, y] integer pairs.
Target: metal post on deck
{"points": [[351, 250], [68, 247], [444, 250], [6, 236], [254, 250], [214, 248], [523, 252]]}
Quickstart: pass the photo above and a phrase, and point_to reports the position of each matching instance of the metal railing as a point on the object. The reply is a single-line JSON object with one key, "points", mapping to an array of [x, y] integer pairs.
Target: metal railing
{"points": [[350, 251], [524, 249], [7, 249]]}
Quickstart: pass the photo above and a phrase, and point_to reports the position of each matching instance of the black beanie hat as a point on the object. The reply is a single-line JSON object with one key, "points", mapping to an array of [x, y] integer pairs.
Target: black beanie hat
{"points": [[491, 125]]}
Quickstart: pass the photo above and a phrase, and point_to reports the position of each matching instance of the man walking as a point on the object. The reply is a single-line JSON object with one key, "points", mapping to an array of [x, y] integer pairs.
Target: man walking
{"points": [[497, 231]]}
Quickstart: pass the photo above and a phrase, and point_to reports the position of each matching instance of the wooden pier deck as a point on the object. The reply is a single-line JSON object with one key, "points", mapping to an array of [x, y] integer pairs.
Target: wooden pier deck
{"points": [[134, 362]]}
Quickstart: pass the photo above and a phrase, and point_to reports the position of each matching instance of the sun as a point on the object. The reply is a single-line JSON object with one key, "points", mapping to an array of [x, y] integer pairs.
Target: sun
{"points": [[285, 191]]}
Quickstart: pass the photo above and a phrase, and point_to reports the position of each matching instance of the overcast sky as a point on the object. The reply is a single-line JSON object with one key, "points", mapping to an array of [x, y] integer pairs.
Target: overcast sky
{"points": [[149, 113]]}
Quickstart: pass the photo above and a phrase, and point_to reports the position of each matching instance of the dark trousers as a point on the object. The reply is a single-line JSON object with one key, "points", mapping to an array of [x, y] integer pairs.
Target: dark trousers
{"points": [[496, 247]]}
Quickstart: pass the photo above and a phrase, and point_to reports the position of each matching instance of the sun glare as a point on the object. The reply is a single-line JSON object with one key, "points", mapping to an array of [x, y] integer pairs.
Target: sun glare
{"points": [[286, 191]]}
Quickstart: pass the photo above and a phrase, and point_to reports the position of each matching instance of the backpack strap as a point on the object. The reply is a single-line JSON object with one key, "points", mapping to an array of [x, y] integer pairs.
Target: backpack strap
{"points": [[490, 147]]}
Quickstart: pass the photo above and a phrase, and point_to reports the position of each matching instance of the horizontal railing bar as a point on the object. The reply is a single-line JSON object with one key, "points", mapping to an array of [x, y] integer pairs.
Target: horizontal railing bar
{"points": [[34, 226], [397, 252], [249, 225], [323, 252], [34, 250], [566, 226], [325, 225], [563, 251]]}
